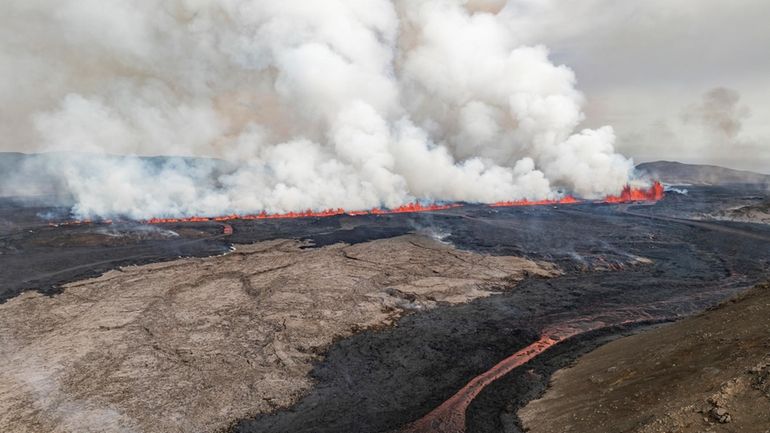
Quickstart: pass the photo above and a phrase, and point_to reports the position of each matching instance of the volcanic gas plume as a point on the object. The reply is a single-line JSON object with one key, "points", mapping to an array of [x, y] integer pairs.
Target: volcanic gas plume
{"points": [[354, 104]]}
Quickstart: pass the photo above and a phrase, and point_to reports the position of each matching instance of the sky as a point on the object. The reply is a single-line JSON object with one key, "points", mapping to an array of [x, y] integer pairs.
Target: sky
{"points": [[647, 68], [667, 75]]}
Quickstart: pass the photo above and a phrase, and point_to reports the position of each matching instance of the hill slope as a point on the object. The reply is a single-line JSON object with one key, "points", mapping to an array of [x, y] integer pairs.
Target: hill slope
{"points": [[706, 373], [693, 174]]}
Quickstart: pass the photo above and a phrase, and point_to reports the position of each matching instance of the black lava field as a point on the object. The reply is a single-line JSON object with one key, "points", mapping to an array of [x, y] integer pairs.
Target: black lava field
{"points": [[624, 267]]}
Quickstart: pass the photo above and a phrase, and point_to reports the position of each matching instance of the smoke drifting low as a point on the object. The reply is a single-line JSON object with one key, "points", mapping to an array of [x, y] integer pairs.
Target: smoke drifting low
{"points": [[341, 103], [719, 112]]}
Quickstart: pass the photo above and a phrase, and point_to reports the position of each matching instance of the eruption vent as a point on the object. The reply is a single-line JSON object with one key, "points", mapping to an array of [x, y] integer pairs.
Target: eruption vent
{"points": [[354, 104], [655, 193]]}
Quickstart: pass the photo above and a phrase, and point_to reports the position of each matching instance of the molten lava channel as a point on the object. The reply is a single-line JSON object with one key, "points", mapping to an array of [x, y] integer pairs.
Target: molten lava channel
{"points": [[450, 416]]}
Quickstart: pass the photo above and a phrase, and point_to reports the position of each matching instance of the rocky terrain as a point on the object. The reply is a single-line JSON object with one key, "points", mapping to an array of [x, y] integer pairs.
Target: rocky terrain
{"points": [[343, 324], [623, 265], [756, 212], [708, 373], [194, 344], [736, 203]]}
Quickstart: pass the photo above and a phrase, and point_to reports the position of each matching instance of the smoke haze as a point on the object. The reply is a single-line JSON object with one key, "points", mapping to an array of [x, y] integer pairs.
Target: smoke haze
{"points": [[301, 105], [720, 112], [642, 62]]}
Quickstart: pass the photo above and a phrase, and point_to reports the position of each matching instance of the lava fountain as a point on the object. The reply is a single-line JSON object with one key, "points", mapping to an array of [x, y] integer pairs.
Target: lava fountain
{"points": [[630, 195]]}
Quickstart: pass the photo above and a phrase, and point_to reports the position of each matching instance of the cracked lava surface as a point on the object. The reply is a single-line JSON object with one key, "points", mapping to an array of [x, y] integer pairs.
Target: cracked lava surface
{"points": [[194, 344]]}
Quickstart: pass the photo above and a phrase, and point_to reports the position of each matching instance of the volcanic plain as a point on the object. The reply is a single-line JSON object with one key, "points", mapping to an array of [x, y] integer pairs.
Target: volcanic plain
{"points": [[344, 324]]}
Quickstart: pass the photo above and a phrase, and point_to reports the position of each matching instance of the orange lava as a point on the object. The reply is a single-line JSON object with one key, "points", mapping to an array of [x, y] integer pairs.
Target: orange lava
{"points": [[627, 195], [450, 416], [630, 195], [177, 220], [409, 208], [566, 200]]}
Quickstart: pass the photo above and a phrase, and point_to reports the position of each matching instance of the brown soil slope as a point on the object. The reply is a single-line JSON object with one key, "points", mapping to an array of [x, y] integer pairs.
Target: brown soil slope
{"points": [[709, 373], [195, 344]]}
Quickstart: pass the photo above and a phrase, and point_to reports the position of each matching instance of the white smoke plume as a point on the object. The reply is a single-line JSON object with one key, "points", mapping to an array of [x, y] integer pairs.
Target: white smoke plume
{"points": [[304, 105]]}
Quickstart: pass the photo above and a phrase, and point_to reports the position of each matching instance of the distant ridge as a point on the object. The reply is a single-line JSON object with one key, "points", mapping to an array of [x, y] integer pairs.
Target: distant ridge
{"points": [[693, 174]]}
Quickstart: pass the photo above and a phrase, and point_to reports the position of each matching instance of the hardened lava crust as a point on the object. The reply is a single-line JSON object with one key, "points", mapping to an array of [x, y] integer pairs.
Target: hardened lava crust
{"points": [[373, 323]]}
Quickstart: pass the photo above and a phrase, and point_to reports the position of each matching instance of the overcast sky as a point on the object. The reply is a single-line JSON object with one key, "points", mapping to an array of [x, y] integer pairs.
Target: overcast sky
{"points": [[647, 67], [687, 80]]}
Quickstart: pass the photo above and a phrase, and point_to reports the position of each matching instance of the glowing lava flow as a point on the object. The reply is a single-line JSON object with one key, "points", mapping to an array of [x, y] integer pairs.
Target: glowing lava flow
{"points": [[630, 195], [627, 195], [409, 208], [177, 220], [566, 200], [450, 416]]}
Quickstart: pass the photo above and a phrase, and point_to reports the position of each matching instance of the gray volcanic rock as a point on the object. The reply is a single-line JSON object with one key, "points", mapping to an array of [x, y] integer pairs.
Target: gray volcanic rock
{"points": [[754, 212], [692, 174], [195, 344]]}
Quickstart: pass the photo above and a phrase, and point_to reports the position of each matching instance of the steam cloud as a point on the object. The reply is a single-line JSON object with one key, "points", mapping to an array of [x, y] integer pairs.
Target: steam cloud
{"points": [[341, 103]]}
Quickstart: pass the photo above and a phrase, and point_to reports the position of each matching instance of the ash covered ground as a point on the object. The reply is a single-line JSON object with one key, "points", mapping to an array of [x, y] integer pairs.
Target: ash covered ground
{"points": [[606, 269]]}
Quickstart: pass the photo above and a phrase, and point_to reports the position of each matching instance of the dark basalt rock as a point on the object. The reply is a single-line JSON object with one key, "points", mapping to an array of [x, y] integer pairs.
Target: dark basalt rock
{"points": [[378, 381]]}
